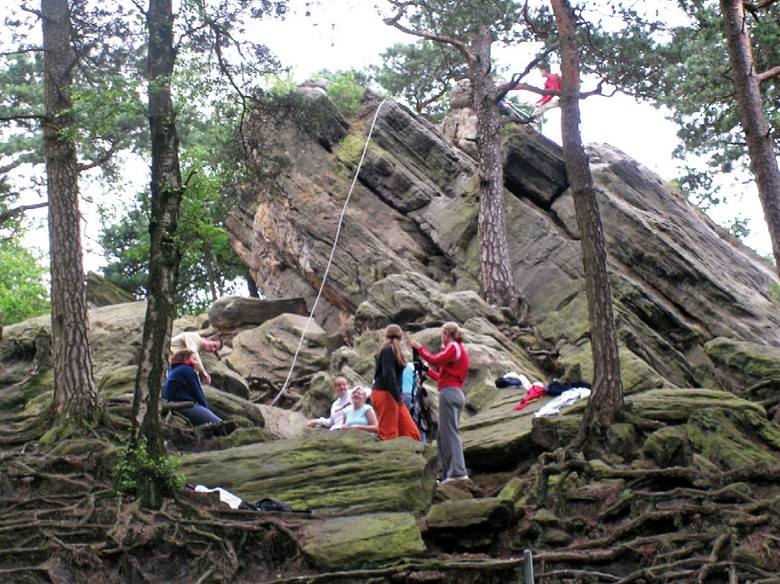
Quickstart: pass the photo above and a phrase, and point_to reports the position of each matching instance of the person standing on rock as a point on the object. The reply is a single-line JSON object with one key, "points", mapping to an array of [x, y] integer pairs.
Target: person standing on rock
{"points": [[342, 403], [195, 343], [453, 367], [386, 394]]}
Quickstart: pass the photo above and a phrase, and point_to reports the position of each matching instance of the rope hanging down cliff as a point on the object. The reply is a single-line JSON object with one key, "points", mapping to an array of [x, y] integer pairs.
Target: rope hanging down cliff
{"points": [[330, 259]]}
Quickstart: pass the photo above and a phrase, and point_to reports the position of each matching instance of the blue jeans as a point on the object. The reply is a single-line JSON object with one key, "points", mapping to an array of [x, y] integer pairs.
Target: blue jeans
{"points": [[199, 415]]}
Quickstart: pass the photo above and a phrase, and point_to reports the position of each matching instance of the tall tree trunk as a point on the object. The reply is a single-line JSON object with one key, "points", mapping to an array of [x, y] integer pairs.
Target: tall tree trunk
{"points": [[606, 402], [497, 284], [165, 254], [75, 393], [753, 118]]}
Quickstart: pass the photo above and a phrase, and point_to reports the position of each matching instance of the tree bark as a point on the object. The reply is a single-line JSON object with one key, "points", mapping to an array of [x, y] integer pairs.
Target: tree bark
{"points": [[753, 118], [75, 394], [165, 254], [496, 281], [605, 405]]}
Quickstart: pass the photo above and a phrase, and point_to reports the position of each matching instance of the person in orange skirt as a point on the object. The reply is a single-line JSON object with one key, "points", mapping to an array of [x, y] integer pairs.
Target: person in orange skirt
{"points": [[386, 395]]}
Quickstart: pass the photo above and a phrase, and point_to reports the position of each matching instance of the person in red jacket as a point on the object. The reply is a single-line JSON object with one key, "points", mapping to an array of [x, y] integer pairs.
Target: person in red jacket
{"points": [[386, 394], [551, 81], [453, 367]]}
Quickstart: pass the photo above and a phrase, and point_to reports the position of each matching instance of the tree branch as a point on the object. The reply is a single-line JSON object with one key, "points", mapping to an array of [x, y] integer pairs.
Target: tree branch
{"points": [[25, 8], [505, 88], [768, 74], [17, 118], [10, 166], [754, 7], [105, 157], [583, 94], [437, 38], [11, 213]]}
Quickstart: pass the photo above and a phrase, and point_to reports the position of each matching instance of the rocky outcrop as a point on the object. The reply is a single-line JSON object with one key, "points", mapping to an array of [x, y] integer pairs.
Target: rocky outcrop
{"points": [[679, 281], [231, 315], [101, 292]]}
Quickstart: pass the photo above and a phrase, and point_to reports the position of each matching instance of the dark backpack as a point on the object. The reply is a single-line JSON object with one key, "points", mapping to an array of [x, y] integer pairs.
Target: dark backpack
{"points": [[274, 505], [271, 506]]}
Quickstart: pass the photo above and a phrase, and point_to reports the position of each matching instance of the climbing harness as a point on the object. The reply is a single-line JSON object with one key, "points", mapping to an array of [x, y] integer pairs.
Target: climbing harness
{"points": [[330, 259]]}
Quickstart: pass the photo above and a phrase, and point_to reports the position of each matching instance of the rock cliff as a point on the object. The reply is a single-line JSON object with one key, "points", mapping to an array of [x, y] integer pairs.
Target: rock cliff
{"points": [[681, 285]]}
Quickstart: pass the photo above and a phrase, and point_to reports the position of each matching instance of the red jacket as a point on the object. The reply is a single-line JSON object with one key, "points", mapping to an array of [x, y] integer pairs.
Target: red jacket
{"points": [[552, 82], [453, 364]]}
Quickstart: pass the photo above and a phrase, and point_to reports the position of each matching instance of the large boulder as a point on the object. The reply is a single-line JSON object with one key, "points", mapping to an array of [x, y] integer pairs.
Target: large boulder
{"points": [[266, 355], [232, 314], [678, 281], [332, 473]]}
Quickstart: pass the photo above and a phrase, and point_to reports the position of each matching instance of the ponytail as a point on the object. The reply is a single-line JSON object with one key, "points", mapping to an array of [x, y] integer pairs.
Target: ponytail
{"points": [[393, 335], [455, 332]]}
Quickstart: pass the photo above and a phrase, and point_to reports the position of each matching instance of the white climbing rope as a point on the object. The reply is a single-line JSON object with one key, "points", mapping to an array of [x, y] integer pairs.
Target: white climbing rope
{"points": [[330, 259]]}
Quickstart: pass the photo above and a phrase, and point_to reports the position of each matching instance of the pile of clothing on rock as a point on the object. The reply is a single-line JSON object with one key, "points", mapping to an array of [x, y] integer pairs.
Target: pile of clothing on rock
{"points": [[565, 392]]}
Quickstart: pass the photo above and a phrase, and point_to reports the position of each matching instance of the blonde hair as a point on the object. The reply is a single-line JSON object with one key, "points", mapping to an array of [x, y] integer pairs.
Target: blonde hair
{"points": [[455, 332], [393, 335]]}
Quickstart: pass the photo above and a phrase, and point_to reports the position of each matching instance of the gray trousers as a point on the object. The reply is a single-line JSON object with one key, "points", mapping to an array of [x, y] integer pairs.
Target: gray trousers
{"points": [[451, 401]]}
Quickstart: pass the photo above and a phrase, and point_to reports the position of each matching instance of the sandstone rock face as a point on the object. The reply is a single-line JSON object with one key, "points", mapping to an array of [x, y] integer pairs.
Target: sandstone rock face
{"points": [[264, 355], [232, 314], [678, 280], [101, 292]]}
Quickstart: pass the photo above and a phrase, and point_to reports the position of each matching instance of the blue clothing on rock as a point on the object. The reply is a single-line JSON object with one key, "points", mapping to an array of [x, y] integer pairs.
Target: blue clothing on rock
{"points": [[182, 384]]}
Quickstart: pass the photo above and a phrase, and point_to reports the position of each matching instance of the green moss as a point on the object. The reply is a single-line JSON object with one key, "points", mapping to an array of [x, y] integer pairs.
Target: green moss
{"points": [[351, 149], [366, 539], [668, 446], [513, 490], [719, 435], [758, 361]]}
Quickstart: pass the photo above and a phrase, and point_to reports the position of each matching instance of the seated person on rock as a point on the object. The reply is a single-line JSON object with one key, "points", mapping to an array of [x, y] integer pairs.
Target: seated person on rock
{"points": [[360, 416], [337, 409], [195, 343], [183, 385]]}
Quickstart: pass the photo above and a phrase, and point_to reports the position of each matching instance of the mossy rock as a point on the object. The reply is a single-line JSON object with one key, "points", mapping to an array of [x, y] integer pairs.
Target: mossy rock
{"points": [[734, 439], [676, 406], [552, 432], [332, 473], [362, 540], [622, 439], [469, 516], [119, 382], [514, 490], [668, 446], [636, 375], [755, 361]]}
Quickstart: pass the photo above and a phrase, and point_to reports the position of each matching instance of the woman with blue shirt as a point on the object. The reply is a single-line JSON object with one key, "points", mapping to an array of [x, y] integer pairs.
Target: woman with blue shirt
{"points": [[360, 416]]}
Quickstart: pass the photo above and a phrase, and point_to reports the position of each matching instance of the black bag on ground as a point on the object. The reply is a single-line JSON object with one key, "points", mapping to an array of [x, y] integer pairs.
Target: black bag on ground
{"points": [[272, 506]]}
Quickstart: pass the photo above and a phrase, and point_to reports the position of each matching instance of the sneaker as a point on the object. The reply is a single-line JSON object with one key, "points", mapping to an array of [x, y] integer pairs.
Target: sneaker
{"points": [[460, 478]]}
